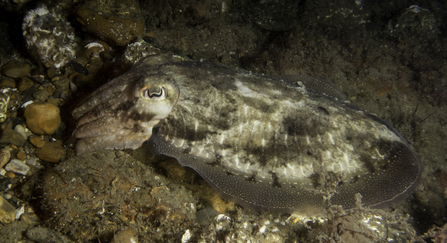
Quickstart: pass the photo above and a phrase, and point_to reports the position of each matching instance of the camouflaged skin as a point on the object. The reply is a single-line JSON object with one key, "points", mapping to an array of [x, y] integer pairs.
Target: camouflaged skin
{"points": [[277, 143]]}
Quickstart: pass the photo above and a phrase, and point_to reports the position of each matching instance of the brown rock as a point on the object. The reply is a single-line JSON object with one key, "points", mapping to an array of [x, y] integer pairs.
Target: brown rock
{"points": [[42, 118], [118, 21], [21, 155], [51, 72], [7, 82], [5, 155], [24, 84], [30, 218], [51, 152], [37, 141], [41, 95], [51, 89], [125, 236], [62, 84], [7, 211], [16, 70], [9, 136], [54, 101], [10, 174]]}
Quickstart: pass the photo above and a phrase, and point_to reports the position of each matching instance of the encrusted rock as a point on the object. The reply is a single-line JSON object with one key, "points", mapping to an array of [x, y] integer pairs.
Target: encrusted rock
{"points": [[49, 36], [9, 102], [42, 118]]}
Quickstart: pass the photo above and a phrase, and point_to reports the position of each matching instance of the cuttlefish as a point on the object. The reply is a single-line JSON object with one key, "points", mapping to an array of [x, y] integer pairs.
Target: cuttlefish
{"points": [[288, 143]]}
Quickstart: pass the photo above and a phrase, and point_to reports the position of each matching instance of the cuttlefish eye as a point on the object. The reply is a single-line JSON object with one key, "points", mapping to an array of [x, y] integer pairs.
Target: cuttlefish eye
{"points": [[153, 93]]}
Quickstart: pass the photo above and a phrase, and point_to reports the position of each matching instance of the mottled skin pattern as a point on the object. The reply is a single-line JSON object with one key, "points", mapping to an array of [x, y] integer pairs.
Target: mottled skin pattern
{"points": [[122, 113], [283, 143]]}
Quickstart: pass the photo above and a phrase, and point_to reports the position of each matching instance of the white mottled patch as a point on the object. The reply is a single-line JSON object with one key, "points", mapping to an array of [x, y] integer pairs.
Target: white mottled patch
{"points": [[244, 90]]}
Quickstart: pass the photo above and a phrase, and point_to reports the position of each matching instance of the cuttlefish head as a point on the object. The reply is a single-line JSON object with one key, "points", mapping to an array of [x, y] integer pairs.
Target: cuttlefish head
{"points": [[122, 113]]}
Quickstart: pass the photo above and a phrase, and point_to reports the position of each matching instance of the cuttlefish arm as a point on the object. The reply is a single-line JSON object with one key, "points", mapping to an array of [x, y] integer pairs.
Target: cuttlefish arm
{"points": [[122, 113]]}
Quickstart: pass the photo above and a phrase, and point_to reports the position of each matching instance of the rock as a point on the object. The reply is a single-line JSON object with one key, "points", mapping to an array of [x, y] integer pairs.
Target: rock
{"points": [[54, 101], [50, 89], [21, 155], [49, 36], [16, 70], [7, 82], [41, 95], [30, 218], [51, 72], [10, 100], [17, 166], [42, 118], [10, 136], [24, 84], [5, 155], [41, 235], [62, 84], [118, 21], [51, 152], [125, 236], [21, 130], [7, 211], [10, 174], [37, 141]]}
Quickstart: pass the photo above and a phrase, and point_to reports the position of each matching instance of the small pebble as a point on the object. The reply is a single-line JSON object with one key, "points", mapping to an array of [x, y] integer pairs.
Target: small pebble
{"points": [[51, 72], [51, 89], [51, 152], [41, 234], [7, 211], [33, 161], [42, 118], [10, 174], [7, 82], [24, 84], [62, 84], [37, 141], [17, 166], [125, 236], [21, 155], [41, 95], [5, 155], [21, 130], [20, 211], [54, 101], [3, 172], [30, 218], [10, 136], [16, 70]]}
